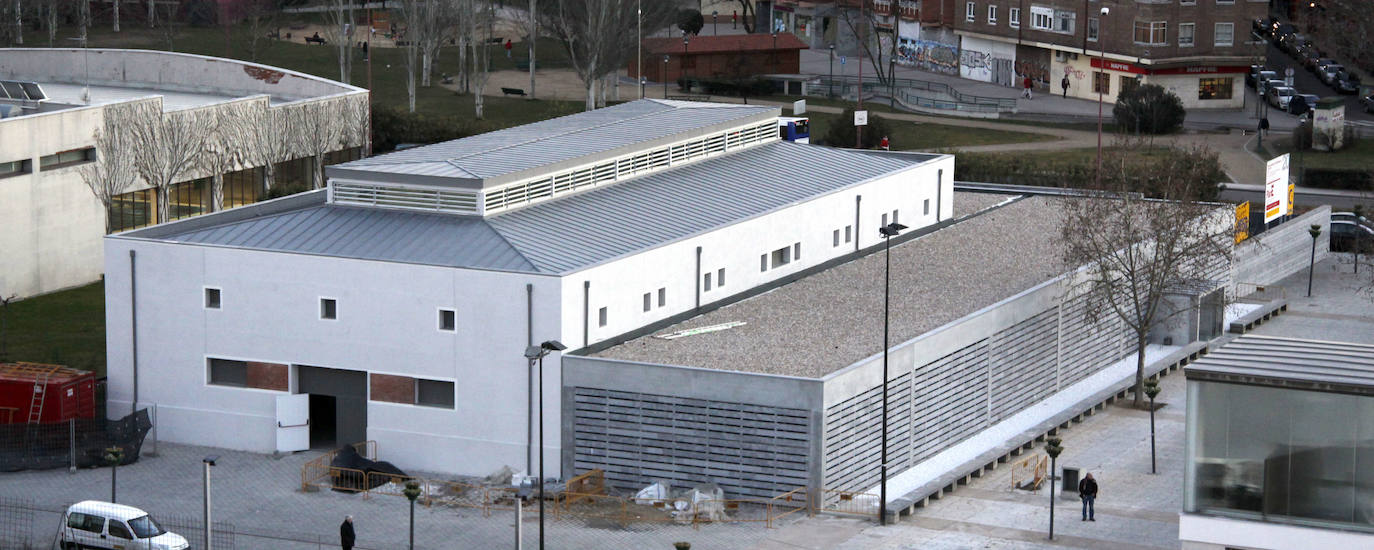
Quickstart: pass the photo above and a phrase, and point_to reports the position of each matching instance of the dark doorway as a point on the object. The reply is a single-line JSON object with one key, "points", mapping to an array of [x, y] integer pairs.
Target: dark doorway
{"points": [[323, 431], [347, 390]]}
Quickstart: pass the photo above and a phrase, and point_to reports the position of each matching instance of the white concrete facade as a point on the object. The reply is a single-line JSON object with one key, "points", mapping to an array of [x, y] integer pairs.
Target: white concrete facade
{"points": [[50, 221], [1198, 532]]}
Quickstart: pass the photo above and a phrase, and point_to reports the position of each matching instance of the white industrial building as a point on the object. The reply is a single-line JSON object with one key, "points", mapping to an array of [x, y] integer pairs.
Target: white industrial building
{"points": [[397, 305], [54, 100]]}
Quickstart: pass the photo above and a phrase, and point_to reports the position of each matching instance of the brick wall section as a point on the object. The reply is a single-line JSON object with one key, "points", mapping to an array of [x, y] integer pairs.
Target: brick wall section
{"points": [[268, 376], [393, 389]]}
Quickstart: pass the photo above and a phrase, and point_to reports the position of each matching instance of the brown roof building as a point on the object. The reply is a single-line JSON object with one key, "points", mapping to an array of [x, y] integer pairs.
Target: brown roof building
{"points": [[719, 56]]}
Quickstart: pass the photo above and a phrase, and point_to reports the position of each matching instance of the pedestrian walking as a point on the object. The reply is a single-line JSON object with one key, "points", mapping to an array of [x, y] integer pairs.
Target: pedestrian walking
{"points": [[1065, 85], [346, 534], [883, 144], [508, 47], [1087, 490], [1027, 84], [364, 51]]}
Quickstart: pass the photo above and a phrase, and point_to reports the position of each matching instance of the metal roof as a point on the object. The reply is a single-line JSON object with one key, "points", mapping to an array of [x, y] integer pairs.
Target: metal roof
{"points": [[369, 234], [558, 236], [1290, 362], [557, 141]]}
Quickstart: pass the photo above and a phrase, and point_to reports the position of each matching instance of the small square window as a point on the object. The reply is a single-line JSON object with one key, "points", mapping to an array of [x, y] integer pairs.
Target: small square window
{"points": [[211, 298], [848, 230], [448, 320], [836, 238], [329, 308], [782, 256], [926, 207], [707, 283], [648, 301], [970, 11], [601, 317], [720, 277], [796, 251], [662, 297]]}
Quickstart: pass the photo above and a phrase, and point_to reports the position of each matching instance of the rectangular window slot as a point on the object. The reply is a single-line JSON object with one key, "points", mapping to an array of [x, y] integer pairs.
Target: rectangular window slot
{"points": [[212, 298], [926, 207], [662, 297], [763, 262], [648, 301], [720, 277], [601, 317], [782, 256], [836, 238], [434, 393], [707, 283], [329, 308], [448, 320]]}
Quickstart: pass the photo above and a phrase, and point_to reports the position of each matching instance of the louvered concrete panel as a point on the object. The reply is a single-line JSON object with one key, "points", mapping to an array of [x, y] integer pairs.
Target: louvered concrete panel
{"points": [[1023, 362], [1088, 344], [951, 399], [853, 448]]}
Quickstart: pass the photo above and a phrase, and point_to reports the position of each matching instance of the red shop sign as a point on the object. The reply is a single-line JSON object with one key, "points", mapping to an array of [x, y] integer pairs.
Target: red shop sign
{"points": [[1117, 66], [1202, 69]]}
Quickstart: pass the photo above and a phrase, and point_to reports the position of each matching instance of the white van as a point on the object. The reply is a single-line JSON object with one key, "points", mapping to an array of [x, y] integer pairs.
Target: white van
{"points": [[96, 524]]}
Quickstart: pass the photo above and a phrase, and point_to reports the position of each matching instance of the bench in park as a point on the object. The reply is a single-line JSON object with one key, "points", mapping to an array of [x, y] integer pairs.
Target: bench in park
{"points": [[512, 91], [315, 40]]}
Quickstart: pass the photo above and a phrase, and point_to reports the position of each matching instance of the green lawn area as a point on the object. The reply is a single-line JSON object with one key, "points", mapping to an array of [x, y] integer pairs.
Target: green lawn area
{"points": [[908, 136], [1357, 156], [66, 328]]}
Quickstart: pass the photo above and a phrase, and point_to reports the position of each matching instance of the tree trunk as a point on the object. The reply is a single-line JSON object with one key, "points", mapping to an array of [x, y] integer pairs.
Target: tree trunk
{"points": [[152, 13], [269, 177], [18, 24], [164, 207], [1139, 371], [52, 22], [410, 83], [318, 176], [534, 37], [478, 102], [116, 15], [425, 63], [591, 95], [217, 192]]}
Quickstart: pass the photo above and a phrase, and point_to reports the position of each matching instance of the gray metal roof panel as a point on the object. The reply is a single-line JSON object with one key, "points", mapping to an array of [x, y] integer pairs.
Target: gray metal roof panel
{"points": [[599, 225], [1268, 360], [556, 140], [369, 234]]}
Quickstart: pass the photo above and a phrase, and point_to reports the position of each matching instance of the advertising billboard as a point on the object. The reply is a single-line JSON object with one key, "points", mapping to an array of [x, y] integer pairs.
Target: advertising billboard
{"points": [[1276, 188]]}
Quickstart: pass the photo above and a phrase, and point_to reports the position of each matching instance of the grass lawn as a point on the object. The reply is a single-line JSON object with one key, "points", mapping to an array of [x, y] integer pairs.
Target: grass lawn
{"points": [[66, 328], [1356, 156], [908, 136]]}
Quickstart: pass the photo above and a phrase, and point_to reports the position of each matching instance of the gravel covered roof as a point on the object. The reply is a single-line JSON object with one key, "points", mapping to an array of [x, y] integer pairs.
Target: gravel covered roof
{"points": [[832, 319]]}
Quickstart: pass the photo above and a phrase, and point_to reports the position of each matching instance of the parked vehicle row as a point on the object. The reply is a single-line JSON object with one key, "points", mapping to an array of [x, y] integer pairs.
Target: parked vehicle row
{"points": [[1305, 52], [1351, 233]]}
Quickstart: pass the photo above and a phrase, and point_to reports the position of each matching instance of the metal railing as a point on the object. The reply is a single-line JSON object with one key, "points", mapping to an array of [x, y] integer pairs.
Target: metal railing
{"points": [[852, 503], [957, 100], [319, 468]]}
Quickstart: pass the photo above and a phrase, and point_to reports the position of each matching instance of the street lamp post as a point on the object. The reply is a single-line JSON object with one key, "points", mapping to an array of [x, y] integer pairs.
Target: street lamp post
{"points": [[1315, 231], [114, 455], [639, 45], [684, 58], [832, 71], [412, 492], [1152, 390], [888, 232], [207, 463], [714, 30], [537, 353], [1097, 174], [665, 76], [1053, 449], [773, 57]]}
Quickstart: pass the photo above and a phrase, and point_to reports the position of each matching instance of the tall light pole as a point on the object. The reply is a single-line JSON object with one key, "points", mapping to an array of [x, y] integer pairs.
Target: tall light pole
{"points": [[832, 71], [537, 353], [1315, 231], [1053, 449], [207, 463], [665, 76], [639, 44], [888, 232], [683, 61], [1152, 390], [114, 455], [412, 492], [1101, 86]]}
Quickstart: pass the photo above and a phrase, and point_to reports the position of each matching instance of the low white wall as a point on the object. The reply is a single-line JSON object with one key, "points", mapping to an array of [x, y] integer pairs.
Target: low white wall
{"points": [[1282, 251], [1198, 532]]}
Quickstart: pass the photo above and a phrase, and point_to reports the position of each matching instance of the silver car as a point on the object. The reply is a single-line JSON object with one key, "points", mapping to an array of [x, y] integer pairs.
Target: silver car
{"points": [[1278, 96]]}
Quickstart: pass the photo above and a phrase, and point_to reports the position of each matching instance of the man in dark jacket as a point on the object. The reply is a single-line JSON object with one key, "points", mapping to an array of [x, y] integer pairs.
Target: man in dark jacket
{"points": [[346, 534], [1087, 490]]}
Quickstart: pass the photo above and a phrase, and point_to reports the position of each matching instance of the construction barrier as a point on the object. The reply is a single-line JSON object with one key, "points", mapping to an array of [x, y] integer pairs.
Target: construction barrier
{"points": [[852, 503], [317, 472]]}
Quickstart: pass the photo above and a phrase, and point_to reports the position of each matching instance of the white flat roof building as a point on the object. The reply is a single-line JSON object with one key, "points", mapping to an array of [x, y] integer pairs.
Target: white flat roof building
{"points": [[51, 222]]}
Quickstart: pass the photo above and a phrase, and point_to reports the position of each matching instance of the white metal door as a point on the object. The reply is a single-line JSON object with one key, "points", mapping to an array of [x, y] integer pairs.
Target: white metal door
{"points": [[293, 422]]}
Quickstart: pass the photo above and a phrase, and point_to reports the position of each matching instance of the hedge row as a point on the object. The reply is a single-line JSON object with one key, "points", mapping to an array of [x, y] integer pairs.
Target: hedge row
{"points": [[1338, 179]]}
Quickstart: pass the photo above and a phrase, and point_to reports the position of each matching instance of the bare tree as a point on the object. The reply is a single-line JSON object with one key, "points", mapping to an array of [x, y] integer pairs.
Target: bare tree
{"points": [[320, 127], [18, 23], [166, 149], [224, 148], [339, 15], [357, 119], [1138, 248], [269, 138], [116, 15], [260, 15], [113, 173], [169, 28], [863, 24], [436, 24], [413, 14], [599, 35], [477, 17]]}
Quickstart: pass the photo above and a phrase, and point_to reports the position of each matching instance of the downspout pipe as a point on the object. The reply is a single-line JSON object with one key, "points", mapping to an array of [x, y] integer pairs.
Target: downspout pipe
{"points": [[133, 326]]}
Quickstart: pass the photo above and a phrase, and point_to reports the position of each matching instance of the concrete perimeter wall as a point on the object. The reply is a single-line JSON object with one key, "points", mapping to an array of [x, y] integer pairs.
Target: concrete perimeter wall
{"points": [[1279, 252]]}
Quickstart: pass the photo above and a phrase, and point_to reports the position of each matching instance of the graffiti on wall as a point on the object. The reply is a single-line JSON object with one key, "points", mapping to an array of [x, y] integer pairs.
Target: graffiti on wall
{"points": [[1075, 73], [1038, 72], [936, 57], [976, 65]]}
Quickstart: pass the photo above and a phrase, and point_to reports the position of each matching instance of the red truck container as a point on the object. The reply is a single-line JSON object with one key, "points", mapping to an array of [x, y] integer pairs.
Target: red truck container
{"points": [[39, 393]]}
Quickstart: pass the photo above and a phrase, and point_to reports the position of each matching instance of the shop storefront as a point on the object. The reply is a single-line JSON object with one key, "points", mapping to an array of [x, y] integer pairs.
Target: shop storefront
{"points": [[1199, 87]]}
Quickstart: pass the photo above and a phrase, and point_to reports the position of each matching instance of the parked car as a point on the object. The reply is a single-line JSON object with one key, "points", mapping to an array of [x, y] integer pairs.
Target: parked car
{"points": [[1300, 104], [1368, 102], [1278, 96], [1259, 74], [1351, 234], [1281, 30], [1319, 63], [1310, 58], [95, 524], [1346, 82], [1327, 74], [1267, 85], [1294, 42]]}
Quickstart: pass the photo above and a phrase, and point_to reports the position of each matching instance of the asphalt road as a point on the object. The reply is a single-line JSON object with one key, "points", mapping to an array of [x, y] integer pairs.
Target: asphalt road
{"points": [[1307, 83]]}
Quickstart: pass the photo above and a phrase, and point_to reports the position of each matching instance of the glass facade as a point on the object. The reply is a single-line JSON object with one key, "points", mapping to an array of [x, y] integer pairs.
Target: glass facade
{"points": [[1280, 455], [188, 198], [132, 210], [242, 187], [297, 173]]}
